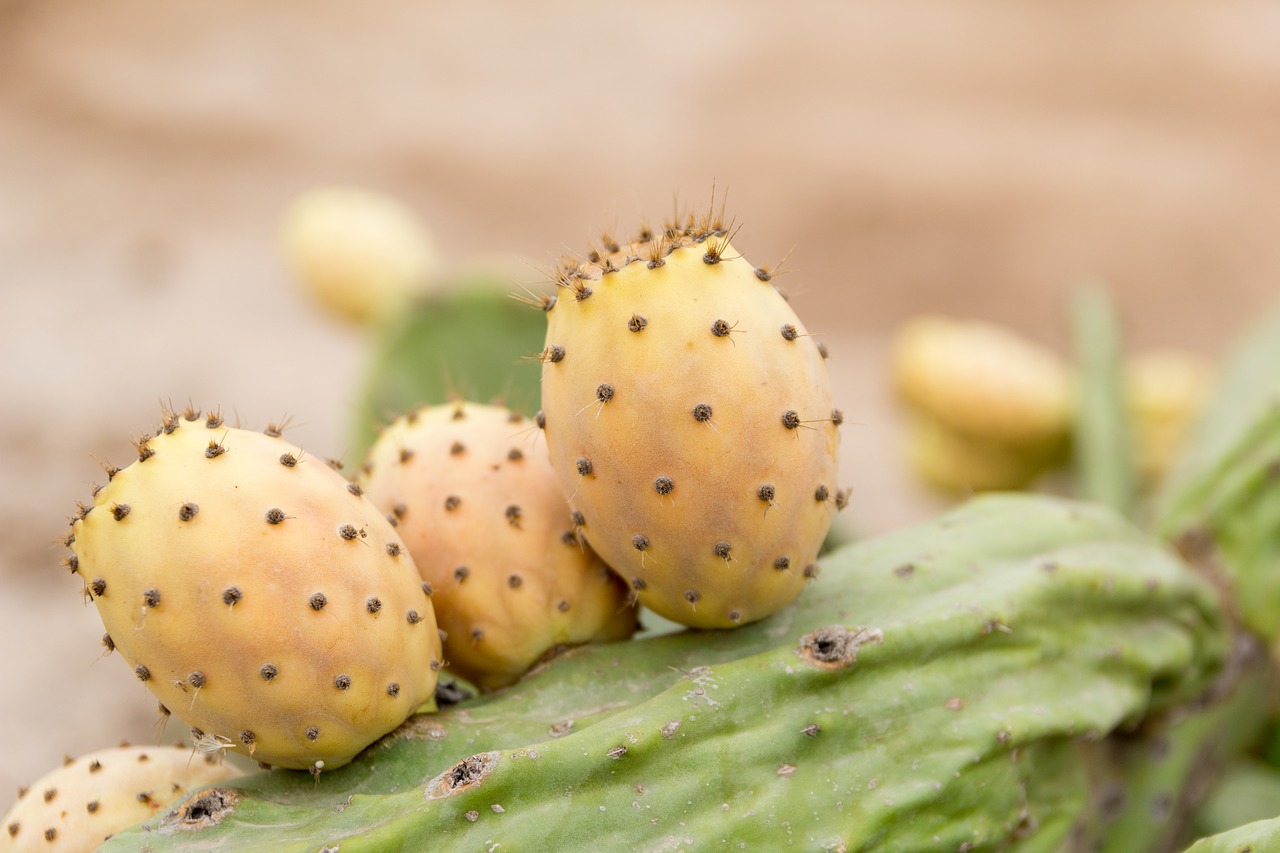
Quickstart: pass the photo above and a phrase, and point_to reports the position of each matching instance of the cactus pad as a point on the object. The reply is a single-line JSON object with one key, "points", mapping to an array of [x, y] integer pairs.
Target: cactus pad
{"points": [[932, 696]]}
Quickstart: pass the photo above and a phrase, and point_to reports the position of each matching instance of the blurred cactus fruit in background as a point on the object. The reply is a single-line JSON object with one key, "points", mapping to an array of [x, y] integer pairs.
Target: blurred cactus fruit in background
{"points": [[476, 502], [87, 800], [1166, 391], [960, 462], [257, 593], [689, 417], [990, 409], [357, 253]]}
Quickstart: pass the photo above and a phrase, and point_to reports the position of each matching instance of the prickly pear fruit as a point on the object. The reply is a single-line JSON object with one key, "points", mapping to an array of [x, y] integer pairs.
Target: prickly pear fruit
{"points": [[688, 414], [358, 253], [482, 514], [1166, 390], [259, 595], [86, 801], [983, 379], [958, 462], [991, 409]]}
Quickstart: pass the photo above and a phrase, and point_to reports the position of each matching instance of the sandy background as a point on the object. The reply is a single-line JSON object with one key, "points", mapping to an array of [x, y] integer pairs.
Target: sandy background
{"points": [[977, 158]]}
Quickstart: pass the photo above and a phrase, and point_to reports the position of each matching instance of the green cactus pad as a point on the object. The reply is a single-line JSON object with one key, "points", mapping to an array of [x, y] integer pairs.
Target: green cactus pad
{"points": [[469, 341], [1147, 784], [1249, 384], [1249, 791], [1222, 506], [1257, 837], [930, 692]]}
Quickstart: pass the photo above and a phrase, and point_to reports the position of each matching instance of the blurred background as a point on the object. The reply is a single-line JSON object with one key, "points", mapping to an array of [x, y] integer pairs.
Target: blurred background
{"points": [[977, 159]]}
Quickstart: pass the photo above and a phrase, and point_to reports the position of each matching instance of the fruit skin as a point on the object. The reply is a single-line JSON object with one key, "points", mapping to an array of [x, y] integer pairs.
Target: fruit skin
{"points": [[257, 594], [1166, 390], [508, 585], [999, 642], [89, 799], [954, 461], [983, 379], [700, 410], [356, 252], [988, 408]]}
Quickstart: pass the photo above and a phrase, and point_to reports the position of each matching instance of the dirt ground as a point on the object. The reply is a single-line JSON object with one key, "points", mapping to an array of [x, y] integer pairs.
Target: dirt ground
{"points": [[976, 158]]}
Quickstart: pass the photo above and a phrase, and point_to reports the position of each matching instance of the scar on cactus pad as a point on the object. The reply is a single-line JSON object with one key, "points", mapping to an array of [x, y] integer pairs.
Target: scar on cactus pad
{"points": [[472, 492], [236, 586], [689, 416]]}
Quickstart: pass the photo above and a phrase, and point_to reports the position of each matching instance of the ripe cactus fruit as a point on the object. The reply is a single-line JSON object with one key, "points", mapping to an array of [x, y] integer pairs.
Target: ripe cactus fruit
{"points": [[86, 801], [1166, 390], [689, 417], [358, 253], [481, 512], [258, 595], [989, 409]]}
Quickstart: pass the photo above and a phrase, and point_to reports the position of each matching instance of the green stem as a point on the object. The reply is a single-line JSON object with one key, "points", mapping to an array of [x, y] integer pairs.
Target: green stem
{"points": [[1103, 440]]}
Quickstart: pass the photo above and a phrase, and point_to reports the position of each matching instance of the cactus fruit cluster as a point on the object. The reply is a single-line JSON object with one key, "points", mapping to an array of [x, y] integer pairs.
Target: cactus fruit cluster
{"points": [[480, 510], [689, 416], [988, 408], [260, 596], [1025, 673], [87, 800]]}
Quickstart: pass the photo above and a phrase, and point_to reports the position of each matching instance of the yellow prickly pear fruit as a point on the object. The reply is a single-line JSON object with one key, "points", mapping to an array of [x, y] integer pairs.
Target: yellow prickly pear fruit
{"points": [[481, 511], [84, 802], [956, 461], [257, 594], [357, 253], [1166, 389], [689, 417], [990, 408]]}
